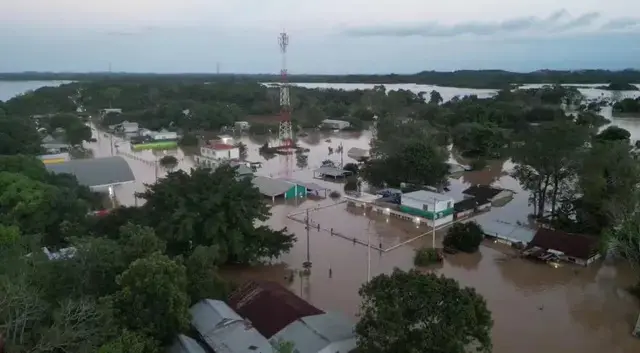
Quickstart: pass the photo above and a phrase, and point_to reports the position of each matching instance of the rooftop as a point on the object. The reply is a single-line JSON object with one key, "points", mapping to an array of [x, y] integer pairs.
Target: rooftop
{"points": [[271, 187], [332, 171], [504, 230], [308, 185], [574, 245], [483, 191], [427, 196], [185, 344], [469, 204], [312, 334], [96, 171], [220, 146], [269, 306], [224, 330]]}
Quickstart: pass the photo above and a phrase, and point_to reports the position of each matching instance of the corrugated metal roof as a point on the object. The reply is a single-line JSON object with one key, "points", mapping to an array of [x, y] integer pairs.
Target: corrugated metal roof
{"points": [[332, 171], [312, 334], [426, 196], [96, 171], [269, 306], [271, 187], [310, 186], [225, 331], [504, 230], [184, 344]]}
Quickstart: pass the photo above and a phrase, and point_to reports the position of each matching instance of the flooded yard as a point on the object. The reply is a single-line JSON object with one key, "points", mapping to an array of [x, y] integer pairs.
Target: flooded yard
{"points": [[536, 308]]}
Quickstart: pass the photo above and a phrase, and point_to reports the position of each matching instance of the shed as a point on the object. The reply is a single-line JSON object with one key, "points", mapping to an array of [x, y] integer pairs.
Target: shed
{"points": [[330, 172], [185, 344], [96, 173], [328, 332], [577, 248], [224, 331], [487, 192], [277, 187], [335, 124], [312, 188], [269, 306], [359, 154]]}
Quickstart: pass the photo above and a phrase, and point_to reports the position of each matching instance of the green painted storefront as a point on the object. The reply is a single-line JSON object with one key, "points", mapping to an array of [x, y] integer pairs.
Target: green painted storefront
{"points": [[295, 191], [426, 214]]}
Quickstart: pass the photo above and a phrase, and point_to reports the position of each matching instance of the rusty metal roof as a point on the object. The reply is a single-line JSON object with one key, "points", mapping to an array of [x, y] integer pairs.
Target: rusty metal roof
{"points": [[269, 306]]}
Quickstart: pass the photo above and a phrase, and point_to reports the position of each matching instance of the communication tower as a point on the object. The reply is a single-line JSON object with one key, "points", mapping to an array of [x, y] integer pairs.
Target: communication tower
{"points": [[285, 130]]}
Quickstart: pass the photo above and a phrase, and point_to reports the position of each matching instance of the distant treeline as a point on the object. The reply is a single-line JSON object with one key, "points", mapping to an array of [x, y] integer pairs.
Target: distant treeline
{"points": [[462, 78]]}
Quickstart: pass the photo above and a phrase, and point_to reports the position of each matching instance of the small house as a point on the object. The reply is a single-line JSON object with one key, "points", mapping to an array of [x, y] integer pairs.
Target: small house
{"points": [[436, 208], [335, 124], [576, 248], [129, 127], [486, 192], [278, 188], [164, 135], [220, 151], [242, 125]]}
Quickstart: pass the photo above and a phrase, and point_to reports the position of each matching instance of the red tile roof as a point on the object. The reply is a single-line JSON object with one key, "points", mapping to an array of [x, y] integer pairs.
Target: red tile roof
{"points": [[269, 306], [573, 245]]}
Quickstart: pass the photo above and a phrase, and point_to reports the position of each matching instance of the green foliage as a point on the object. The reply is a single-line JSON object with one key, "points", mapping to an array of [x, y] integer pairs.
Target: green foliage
{"points": [[152, 298], [465, 237], [427, 256], [283, 346], [352, 167], [204, 282], [130, 342], [415, 313], [202, 208], [477, 140], [169, 162], [627, 105], [352, 184], [188, 140], [18, 136], [613, 133]]}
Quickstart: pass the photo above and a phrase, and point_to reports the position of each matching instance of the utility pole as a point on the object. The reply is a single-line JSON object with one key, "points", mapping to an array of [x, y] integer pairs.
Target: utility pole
{"points": [[307, 264], [369, 253], [433, 225], [111, 143], [341, 156]]}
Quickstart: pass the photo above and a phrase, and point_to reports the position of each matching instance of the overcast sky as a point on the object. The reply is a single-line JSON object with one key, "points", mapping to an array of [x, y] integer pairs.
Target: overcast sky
{"points": [[328, 36]]}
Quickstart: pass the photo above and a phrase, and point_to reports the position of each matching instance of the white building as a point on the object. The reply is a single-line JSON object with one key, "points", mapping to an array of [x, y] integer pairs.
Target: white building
{"points": [[129, 127], [428, 206], [335, 124], [164, 135], [242, 125], [220, 151]]}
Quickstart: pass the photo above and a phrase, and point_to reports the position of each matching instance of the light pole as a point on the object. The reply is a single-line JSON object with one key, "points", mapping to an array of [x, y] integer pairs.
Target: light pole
{"points": [[307, 264], [433, 225]]}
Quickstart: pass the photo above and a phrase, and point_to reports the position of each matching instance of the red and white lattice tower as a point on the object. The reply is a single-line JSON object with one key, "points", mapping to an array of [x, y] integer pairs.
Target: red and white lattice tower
{"points": [[285, 131]]}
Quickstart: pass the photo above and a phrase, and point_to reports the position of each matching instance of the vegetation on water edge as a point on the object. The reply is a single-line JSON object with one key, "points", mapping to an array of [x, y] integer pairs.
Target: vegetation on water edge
{"points": [[465, 237], [461, 78], [427, 256]]}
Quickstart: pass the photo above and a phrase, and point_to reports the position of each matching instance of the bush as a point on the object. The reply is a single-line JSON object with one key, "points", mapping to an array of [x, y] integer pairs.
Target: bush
{"points": [[188, 140], [352, 167], [427, 256], [465, 237], [334, 194]]}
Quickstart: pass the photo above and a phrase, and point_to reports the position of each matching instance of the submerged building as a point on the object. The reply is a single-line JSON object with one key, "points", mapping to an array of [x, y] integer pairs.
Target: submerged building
{"points": [[436, 208]]}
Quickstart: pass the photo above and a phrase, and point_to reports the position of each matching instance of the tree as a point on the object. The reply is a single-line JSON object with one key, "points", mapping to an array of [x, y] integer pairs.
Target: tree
{"points": [[435, 97], [479, 140], [242, 148], [139, 242], [613, 133], [414, 312], [352, 167], [352, 184], [152, 298], [203, 280], [168, 162], [212, 208], [419, 162], [465, 237], [130, 342], [18, 136], [546, 158]]}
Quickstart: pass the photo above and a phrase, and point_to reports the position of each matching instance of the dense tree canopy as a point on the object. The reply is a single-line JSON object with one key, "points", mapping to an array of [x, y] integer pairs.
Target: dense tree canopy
{"points": [[414, 312]]}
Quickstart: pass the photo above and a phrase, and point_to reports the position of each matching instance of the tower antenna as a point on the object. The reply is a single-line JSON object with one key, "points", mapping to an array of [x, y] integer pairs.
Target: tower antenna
{"points": [[285, 131]]}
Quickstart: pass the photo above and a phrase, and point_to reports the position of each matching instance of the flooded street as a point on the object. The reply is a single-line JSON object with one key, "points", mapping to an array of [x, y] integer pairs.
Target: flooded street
{"points": [[536, 308]]}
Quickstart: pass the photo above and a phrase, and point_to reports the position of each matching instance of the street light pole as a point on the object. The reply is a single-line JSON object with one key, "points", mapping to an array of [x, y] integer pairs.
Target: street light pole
{"points": [[307, 264], [433, 225]]}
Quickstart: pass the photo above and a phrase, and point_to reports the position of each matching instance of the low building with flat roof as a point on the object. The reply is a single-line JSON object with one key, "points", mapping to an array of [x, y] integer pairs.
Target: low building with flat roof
{"points": [[99, 174], [436, 209]]}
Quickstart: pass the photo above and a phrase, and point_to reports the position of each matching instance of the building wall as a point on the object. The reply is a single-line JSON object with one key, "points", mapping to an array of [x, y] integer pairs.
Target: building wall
{"points": [[295, 191], [344, 346], [233, 153], [426, 210], [165, 136]]}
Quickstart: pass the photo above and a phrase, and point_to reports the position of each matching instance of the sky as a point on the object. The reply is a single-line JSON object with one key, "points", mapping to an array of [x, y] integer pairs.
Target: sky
{"points": [[326, 37]]}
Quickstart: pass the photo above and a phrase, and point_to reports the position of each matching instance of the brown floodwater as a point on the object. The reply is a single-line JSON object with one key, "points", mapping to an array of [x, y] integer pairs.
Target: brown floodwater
{"points": [[536, 308]]}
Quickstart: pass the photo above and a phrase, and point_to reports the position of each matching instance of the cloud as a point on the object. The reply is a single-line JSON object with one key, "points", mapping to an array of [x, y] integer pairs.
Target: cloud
{"points": [[559, 21], [621, 23]]}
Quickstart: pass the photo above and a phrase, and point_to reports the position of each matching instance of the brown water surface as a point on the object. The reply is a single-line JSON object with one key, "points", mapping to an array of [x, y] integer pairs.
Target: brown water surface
{"points": [[536, 308]]}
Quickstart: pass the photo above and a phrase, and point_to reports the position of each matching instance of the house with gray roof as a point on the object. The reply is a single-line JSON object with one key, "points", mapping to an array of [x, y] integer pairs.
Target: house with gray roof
{"points": [[273, 188], [322, 333], [224, 331], [96, 173], [185, 344]]}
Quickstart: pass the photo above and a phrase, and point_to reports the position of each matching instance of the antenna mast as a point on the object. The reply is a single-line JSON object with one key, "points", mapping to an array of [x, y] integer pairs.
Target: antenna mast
{"points": [[285, 131]]}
